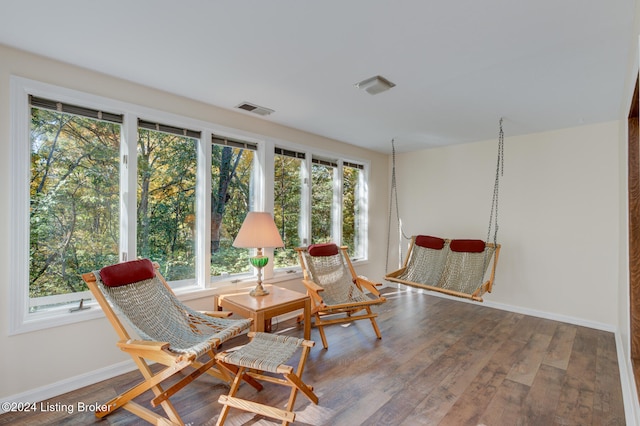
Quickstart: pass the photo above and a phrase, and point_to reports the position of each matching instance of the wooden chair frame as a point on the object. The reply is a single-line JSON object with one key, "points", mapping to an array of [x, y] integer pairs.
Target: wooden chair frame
{"points": [[320, 310], [144, 352]]}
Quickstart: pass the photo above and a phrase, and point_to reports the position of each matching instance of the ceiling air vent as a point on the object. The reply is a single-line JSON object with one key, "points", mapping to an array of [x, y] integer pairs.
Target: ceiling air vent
{"points": [[256, 109], [375, 85]]}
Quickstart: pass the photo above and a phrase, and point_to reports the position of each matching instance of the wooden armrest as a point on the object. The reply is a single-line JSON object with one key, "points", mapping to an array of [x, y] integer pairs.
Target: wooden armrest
{"points": [[395, 274], [364, 280], [156, 351], [145, 345], [312, 286], [368, 284]]}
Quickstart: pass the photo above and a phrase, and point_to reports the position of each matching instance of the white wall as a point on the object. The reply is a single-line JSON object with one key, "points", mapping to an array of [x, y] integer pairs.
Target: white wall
{"points": [[558, 216], [39, 362]]}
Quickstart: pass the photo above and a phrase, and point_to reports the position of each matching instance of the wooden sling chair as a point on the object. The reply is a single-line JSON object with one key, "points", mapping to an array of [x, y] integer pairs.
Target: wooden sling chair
{"points": [[335, 288], [263, 359], [453, 267], [170, 334]]}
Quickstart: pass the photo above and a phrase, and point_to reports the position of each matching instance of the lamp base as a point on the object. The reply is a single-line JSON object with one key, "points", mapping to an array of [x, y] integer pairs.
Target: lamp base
{"points": [[259, 262], [258, 291]]}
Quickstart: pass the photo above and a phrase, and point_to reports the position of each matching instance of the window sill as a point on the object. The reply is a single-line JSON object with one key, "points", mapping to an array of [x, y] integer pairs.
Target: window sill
{"points": [[55, 318]]}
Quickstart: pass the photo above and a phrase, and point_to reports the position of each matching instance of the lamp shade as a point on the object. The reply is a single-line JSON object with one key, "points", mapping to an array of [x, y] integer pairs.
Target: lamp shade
{"points": [[258, 231]]}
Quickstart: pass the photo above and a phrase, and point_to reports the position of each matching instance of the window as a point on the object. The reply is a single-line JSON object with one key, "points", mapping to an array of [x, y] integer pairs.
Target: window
{"points": [[74, 198], [328, 207], [166, 199], [323, 200], [233, 164], [289, 171], [97, 181]]}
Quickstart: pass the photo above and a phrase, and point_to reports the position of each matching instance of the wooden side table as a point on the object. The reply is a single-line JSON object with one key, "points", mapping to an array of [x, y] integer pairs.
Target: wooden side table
{"points": [[261, 309]]}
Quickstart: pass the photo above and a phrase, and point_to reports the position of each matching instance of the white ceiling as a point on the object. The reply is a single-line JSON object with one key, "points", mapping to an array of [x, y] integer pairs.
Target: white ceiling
{"points": [[458, 65]]}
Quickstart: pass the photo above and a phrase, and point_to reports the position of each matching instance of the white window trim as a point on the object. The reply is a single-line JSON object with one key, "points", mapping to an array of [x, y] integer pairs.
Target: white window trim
{"points": [[336, 203], [19, 300], [203, 204], [363, 199], [20, 318]]}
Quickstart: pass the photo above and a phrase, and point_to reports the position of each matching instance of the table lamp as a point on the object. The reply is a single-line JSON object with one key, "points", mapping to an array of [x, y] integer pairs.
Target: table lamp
{"points": [[258, 231]]}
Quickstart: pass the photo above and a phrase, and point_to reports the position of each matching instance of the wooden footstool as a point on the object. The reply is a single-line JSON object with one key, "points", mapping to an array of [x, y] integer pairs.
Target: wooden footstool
{"points": [[263, 359]]}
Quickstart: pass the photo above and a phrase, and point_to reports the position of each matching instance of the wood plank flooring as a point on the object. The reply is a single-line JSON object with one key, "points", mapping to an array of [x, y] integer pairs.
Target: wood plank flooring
{"points": [[440, 362]]}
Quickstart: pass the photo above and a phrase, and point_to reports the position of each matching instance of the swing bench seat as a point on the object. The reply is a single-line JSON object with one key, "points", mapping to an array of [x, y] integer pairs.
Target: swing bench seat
{"points": [[455, 267]]}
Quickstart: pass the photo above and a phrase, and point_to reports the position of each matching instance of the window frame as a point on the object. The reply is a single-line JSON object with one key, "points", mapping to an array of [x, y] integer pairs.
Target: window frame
{"points": [[20, 318]]}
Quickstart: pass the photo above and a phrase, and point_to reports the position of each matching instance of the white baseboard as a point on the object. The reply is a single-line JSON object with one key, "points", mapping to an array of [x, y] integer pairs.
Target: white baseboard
{"points": [[520, 310], [67, 385], [551, 316], [627, 381]]}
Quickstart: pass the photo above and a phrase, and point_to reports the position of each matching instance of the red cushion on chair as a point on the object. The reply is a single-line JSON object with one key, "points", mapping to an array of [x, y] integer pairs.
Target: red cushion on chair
{"points": [[467, 246], [430, 242], [326, 249], [127, 272]]}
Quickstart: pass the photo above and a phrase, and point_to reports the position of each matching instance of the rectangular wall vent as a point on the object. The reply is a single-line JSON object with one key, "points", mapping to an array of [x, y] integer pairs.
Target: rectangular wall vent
{"points": [[256, 109]]}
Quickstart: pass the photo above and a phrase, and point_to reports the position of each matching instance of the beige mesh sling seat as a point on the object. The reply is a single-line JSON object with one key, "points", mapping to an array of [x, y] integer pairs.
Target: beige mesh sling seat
{"points": [[453, 267], [170, 334], [264, 359], [335, 288]]}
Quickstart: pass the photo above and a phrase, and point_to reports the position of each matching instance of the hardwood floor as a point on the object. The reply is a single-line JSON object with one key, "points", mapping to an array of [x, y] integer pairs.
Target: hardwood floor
{"points": [[440, 362]]}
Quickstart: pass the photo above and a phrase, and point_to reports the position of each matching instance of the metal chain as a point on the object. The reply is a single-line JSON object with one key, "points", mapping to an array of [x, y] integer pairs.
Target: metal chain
{"points": [[394, 197], [493, 217]]}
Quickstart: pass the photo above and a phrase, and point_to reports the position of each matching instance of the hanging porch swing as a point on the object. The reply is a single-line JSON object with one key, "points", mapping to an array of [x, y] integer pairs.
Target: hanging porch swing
{"points": [[456, 267]]}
